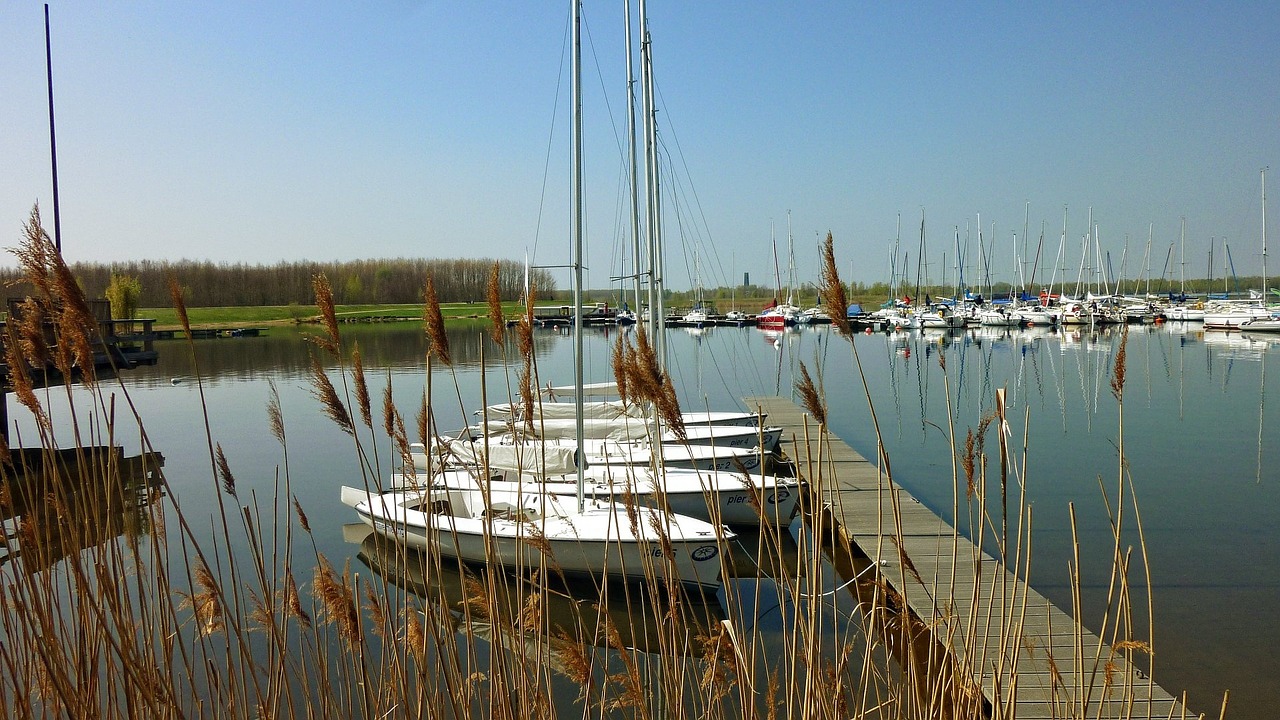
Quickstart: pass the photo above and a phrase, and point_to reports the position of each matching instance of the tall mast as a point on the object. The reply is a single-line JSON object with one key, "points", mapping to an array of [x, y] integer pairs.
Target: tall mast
{"points": [[1147, 261], [657, 289], [631, 159], [1184, 258], [1264, 236], [1061, 260], [53, 142], [791, 262], [959, 266], [1026, 221], [577, 244]]}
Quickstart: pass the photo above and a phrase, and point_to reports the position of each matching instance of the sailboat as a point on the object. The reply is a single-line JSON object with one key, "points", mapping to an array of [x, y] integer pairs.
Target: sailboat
{"points": [[697, 317], [526, 528], [779, 316], [1233, 314]]}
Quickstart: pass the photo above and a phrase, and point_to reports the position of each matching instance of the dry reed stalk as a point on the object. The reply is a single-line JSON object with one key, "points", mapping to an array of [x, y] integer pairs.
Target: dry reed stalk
{"points": [[206, 603], [424, 423], [20, 380], [292, 603], [30, 332], [302, 516], [275, 418], [433, 322], [497, 319], [618, 360], [62, 300], [224, 471], [646, 381], [810, 397], [330, 342], [32, 254], [73, 321], [337, 601], [322, 389], [393, 424], [363, 402], [1118, 371], [833, 293]]}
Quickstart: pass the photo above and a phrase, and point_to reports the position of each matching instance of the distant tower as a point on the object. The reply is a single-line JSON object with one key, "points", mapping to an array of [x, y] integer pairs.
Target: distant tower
{"points": [[746, 279]]}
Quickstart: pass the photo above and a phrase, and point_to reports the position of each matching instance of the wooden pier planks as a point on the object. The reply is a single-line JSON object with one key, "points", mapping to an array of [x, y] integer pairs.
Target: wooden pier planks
{"points": [[1031, 659]]}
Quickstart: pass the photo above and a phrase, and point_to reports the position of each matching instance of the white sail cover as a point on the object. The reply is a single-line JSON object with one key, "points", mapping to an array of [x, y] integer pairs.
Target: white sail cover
{"points": [[600, 389], [532, 459], [567, 410], [620, 429]]}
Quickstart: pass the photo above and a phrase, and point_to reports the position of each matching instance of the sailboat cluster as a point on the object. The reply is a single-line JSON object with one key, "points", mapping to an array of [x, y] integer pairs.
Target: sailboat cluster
{"points": [[627, 487], [513, 491], [1094, 301]]}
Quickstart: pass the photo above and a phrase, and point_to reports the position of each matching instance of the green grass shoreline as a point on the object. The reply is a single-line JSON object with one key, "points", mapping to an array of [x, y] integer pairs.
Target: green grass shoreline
{"points": [[268, 315], [166, 318]]}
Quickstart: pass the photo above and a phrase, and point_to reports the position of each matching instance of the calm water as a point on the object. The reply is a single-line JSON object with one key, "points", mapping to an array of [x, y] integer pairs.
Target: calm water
{"points": [[1200, 432]]}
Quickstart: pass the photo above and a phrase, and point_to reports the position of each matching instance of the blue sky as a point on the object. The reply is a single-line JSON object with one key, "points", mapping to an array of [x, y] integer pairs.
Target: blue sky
{"points": [[279, 131]]}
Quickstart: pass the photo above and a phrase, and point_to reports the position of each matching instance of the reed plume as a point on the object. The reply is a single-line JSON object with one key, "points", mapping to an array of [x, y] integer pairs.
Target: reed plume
{"points": [[524, 332], [33, 254], [205, 603], [1118, 372], [224, 471], [20, 380], [30, 332], [810, 397], [424, 422], [330, 341], [75, 323], [61, 298], [275, 418], [497, 319], [969, 464], [646, 381], [833, 294], [322, 389], [302, 516], [415, 638], [433, 321], [337, 601], [362, 387], [618, 360], [179, 299], [293, 603], [374, 608]]}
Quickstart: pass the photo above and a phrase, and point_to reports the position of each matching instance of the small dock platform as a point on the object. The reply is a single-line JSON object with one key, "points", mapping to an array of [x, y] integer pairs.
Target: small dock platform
{"points": [[972, 618]]}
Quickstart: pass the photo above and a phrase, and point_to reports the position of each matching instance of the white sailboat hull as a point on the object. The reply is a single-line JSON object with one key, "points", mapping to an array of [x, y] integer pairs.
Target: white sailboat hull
{"points": [[527, 531]]}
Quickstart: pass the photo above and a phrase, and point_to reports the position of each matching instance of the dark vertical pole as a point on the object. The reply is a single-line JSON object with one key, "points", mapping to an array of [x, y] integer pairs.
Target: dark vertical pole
{"points": [[53, 142]]}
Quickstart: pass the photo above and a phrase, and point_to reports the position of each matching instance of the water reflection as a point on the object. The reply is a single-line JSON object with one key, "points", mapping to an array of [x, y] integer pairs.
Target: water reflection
{"points": [[1198, 434], [284, 353], [633, 616], [95, 495]]}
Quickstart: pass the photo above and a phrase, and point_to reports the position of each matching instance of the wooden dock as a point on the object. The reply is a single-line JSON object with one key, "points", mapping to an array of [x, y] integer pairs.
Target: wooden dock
{"points": [[1030, 659]]}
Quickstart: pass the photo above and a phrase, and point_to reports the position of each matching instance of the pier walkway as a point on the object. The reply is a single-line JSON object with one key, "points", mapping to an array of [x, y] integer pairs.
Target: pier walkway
{"points": [[1030, 659]]}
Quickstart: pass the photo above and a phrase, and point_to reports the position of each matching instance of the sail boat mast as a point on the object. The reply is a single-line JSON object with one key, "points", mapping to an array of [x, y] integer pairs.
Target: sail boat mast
{"points": [[578, 378], [791, 262], [656, 310], [1183, 232], [631, 158], [1264, 236], [53, 142]]}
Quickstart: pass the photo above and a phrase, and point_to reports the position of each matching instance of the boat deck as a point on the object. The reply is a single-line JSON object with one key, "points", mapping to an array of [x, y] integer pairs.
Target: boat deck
{"points": [[1030, 659]]}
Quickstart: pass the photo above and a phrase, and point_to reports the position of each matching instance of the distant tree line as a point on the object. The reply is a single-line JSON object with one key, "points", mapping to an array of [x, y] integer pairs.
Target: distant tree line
{"points": [[207, 284]]}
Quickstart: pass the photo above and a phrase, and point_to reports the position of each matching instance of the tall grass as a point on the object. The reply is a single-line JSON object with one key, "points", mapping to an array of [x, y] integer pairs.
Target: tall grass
{"points": [[120, 603]]}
